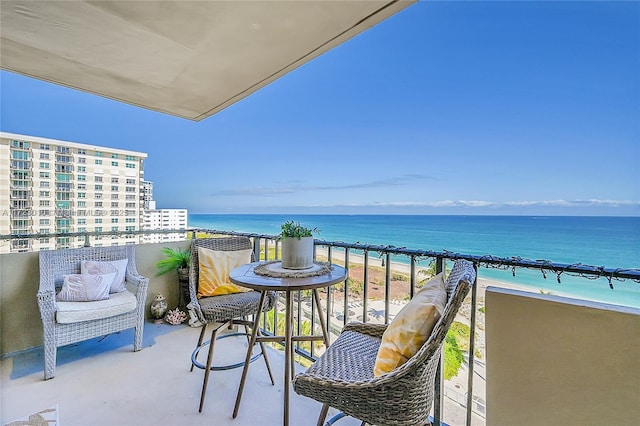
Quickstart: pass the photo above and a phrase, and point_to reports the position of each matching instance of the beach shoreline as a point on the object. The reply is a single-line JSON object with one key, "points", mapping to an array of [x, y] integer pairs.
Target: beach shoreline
{"points": [[403, 268]]}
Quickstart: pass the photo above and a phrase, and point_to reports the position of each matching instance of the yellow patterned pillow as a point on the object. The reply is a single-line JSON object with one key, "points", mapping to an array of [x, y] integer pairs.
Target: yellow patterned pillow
{"points": [[214, 267], [411, 327]]}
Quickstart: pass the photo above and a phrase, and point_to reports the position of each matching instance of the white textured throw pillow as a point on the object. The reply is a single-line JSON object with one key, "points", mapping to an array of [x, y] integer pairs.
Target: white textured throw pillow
{"points": [[107, 267], [85, 287]]}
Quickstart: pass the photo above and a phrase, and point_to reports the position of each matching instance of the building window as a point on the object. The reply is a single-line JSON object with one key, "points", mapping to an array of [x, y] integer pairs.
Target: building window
{"points": [[114, 156], [98, 178], [82, 204], [98, 204], [45, 146], [44, 222], [130, 228], [19, 155], [82, 195], [99, 154], [45, 165], [82, 151], [82, 186], [130, 205], [114, 188], [20, 144], [82, 160], [45, 175], [130, 220], [98, 196], [98, 220], [44, 155], [44, 184], [82, 221], [114, 220], [44, 203], [130, 158], [98, 228], [98, 161], [114, 228], [114, 180], [130, 197], [82, 169], [20, 164], [98, 187], [130, 166], [63, 177], [114, 196], [131, 181], [114, 204], [82, 178], [45, 194], [114, 163], [130, 189]]}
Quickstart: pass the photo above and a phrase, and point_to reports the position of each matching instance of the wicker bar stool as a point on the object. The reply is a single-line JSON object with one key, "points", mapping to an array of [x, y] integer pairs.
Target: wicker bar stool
{"points": [[224, 310], [343, 376]]}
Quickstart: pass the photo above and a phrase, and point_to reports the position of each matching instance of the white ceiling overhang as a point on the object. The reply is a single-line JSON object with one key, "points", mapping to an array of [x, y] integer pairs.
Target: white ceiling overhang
{"points": [[185, 58]]}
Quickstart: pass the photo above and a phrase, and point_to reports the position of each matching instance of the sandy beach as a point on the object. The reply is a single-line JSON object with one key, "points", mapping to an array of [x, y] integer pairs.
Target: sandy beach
{"points": [[403, 268]]}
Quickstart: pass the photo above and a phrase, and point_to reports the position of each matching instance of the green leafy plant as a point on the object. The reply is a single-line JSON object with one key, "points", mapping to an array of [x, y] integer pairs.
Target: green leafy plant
{"points": [[176, 259], [291, 229]]}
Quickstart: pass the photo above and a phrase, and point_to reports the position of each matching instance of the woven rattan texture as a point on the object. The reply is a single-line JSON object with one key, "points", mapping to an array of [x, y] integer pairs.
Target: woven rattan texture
{"points": [[54, 265], [229, 306], [401, 397]]}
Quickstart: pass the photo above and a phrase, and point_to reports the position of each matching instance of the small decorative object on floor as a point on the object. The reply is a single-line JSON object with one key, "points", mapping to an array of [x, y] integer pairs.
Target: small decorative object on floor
{"points": [[46, 417], [158, 308], [175, 316], [193, 317]]}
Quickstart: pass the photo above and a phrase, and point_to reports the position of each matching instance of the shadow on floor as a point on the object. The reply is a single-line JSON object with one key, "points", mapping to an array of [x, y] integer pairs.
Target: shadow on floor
{"points": [[32, 360]]}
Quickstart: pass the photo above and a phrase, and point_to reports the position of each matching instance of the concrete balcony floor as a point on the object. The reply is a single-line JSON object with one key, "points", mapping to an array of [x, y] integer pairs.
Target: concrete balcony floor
{"points": [[103, 382]]}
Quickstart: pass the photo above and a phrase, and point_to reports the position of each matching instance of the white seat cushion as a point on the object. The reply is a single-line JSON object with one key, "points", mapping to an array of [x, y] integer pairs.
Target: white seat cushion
{"points": [[116, 304]]}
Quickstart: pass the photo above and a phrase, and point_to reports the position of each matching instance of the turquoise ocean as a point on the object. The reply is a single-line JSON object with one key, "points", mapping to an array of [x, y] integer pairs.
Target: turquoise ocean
{"points": [[612, 242]]}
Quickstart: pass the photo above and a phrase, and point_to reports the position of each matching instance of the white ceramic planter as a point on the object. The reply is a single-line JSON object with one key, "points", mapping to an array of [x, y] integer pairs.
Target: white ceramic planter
{"points": [[297, 253]]}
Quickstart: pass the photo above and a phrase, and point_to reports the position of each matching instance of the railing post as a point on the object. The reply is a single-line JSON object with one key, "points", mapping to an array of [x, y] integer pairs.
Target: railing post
{"points": [[438, 400], [472, 347], [256, 248], [346, 287], [365, 289], [387, 287], [412, 285]]}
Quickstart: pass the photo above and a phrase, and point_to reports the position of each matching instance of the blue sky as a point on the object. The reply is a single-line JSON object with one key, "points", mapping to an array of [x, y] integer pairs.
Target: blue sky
{"points": [[444, 108]]}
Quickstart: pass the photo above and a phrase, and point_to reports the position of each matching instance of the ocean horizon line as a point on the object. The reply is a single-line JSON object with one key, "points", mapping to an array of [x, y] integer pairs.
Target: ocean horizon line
{"points": [[418, 214]]}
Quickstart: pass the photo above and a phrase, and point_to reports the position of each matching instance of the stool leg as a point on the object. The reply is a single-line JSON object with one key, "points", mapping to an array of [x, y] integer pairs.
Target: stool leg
{"points": [[214, 334], [202, 330], [323, 414], [266, 359]]}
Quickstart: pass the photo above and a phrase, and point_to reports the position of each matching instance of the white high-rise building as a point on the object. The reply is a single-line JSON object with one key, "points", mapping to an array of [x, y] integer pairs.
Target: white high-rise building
{"points": [[164, 219], [49, 186], [161, 219]]}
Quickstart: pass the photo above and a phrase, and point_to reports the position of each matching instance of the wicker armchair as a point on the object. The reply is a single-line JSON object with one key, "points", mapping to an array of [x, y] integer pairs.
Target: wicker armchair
{"points": [[343, 376], [222, 311], [54, 265]]}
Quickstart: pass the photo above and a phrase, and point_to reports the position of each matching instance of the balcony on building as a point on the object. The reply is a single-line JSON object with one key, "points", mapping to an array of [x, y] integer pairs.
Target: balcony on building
{"points": [[526, 344]]}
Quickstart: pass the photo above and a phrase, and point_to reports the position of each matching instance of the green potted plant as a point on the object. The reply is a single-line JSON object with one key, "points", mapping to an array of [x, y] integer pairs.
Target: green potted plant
{"points": [[297, 245], [177, 260]]}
